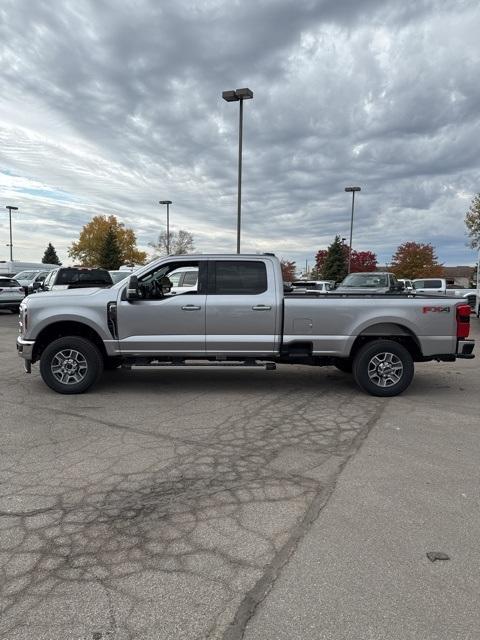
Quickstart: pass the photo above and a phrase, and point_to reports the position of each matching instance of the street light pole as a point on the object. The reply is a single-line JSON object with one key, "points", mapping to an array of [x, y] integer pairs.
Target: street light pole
{"points": [[352, 190], [168, 203], [239, 95], [10, 209]]}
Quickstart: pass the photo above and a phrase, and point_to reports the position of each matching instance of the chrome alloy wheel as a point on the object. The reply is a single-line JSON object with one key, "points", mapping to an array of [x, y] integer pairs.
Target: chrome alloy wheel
{"points": [[385, 369], [69, 366]]}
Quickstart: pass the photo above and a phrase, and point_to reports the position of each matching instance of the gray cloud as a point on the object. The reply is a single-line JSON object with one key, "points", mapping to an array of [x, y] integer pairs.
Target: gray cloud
{"points": [[113, 106]]}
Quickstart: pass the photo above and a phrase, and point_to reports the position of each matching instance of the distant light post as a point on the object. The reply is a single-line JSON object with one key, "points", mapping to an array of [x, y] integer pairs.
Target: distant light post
{"points": [[10, 209], [168, 203], [352, 190], [239, 95]]}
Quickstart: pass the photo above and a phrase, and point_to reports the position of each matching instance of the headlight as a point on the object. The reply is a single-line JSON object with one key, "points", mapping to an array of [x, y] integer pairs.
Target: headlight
{"points": [[23, 319]]}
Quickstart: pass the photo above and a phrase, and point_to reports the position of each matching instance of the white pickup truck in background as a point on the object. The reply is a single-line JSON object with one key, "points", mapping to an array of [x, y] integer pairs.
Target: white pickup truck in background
{"points": [[439, 286]]}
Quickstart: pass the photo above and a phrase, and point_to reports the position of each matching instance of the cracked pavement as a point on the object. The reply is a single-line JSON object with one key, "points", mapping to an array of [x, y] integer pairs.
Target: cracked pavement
{"points": [[162, 504]]}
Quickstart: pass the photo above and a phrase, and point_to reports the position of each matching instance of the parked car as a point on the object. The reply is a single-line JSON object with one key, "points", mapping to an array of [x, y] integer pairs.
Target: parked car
{"points": [[76, 278], [439, 286], [238, 316], [11, 294], [305, 286], [430, 285], [407, 284], [31, 280], [370, 282]]}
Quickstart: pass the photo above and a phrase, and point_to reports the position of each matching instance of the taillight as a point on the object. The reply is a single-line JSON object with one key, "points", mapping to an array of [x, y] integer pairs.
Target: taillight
{"points": [[463, 320]]}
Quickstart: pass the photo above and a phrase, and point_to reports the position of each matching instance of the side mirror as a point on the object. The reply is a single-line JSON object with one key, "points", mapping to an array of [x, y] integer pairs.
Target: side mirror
{"points": [[132, 292], [37, 285]]}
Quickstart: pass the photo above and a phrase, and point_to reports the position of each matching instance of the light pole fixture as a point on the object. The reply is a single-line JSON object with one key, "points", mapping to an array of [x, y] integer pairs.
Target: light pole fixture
{"points": [[352, 190], [10, 209], [239, 95], [168, 203]]}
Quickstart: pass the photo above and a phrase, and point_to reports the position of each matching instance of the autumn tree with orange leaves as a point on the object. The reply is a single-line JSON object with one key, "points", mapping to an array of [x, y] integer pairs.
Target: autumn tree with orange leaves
{"points": [[288, 269], [90, 247], [416, 260]]}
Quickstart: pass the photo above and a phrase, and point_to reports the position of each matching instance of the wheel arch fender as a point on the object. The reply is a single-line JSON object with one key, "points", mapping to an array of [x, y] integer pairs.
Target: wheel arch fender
{"points": [[62, 328], [388, 330]]}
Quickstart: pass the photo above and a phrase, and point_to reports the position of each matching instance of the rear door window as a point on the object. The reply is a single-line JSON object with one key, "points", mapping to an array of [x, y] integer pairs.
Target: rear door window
{"points": [[240, 277]]}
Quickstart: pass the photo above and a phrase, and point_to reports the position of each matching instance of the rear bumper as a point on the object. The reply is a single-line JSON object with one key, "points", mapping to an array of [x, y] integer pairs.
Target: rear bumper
{"points": [[465, 349]]}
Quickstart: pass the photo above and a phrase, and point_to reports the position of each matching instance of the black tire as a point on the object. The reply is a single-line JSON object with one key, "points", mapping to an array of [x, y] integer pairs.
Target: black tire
{"points": [[383, 368], [81, 371], [344, 364], [109, 364]]}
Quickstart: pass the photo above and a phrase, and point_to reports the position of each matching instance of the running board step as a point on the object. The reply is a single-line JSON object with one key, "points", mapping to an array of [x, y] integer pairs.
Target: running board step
{"points": [[269, 366]]}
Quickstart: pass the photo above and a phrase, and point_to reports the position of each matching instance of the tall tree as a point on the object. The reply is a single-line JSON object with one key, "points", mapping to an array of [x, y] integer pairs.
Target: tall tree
{"points": [[288, 269], [90, 244], [472, 220], [335, 265], [320, 258], [50, 255], [181, 242], [110, 255], [362, 261], [416, 260], [359, 260]]}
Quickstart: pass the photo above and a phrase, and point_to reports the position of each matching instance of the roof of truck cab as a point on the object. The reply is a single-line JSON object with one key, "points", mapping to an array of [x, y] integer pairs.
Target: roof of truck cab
{"points": [[188, 256]]}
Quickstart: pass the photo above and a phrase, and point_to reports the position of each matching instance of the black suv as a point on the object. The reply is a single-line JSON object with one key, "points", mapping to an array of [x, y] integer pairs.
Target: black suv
{"points": [[76, 278]]}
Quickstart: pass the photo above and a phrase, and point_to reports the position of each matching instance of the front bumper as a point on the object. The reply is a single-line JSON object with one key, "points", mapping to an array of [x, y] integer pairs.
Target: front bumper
{"points": [[25, 351]]}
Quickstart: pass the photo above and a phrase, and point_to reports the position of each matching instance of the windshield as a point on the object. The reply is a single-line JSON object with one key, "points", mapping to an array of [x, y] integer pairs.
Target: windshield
{"points": [[26, 275], [368, 280]]}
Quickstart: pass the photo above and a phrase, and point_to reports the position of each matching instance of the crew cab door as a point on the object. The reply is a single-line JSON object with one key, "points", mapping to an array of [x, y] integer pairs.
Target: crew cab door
{"points": [[170, 324], [242, 308]]}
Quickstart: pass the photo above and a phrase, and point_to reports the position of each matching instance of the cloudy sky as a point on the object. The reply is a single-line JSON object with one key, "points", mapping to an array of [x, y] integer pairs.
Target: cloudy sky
{"points": [[108, 106]]}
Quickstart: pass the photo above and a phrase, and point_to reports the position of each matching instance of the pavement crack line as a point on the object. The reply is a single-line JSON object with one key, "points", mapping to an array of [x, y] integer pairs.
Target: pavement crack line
{"points": [[258, 593]]}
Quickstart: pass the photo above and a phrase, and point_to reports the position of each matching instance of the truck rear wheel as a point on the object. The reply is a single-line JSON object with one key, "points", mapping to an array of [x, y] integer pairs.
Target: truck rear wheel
{"points": [[71, 364], [383, 368]]}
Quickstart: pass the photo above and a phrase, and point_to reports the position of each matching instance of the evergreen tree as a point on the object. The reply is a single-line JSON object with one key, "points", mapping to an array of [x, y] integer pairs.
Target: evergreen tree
{"points": [[335, 265], [110, 255], [50, 255]]}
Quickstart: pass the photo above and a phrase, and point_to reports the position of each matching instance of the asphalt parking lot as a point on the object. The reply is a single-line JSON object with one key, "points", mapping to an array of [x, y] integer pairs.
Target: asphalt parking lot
{"points": [[163, 504]]}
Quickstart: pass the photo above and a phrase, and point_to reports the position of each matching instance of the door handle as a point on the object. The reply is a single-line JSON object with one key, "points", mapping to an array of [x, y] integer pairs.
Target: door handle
{"points": [[191, 307], [261, 307]]}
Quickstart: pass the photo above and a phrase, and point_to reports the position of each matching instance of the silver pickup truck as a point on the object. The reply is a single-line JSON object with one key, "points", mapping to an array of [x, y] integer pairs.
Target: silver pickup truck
{"points": [[238, 315]]}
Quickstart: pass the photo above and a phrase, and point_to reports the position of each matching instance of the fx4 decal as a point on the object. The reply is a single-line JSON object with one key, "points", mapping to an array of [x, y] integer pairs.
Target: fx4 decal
{"points": [[436, 310]]}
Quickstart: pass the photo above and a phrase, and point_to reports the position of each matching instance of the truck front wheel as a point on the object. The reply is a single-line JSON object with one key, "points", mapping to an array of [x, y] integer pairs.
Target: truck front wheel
{"points": [[71, 364], [383, 368]]}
